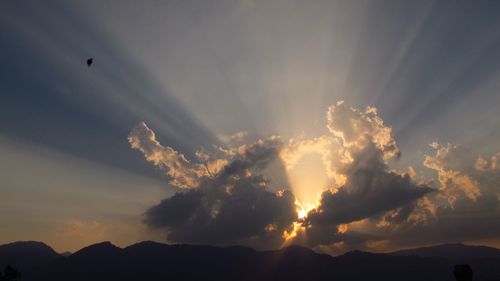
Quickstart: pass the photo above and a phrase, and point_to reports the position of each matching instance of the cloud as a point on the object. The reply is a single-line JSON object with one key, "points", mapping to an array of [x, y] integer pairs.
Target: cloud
{"points": [[236, 137], [465, 208], [183, 173], [357, 129], [370, 188], [240, 212], [225, 199], [389, 209], [326, 146], [454, 180], [225, 206], [470, 183]]}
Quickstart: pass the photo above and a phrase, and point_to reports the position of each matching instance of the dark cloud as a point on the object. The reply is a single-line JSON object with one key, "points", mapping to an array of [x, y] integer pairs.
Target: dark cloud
{"points": [[241, 212], [472, 221], [254, 156], [467, 206], [370, 190], [175, 210], [399, 215], [230, 207]]}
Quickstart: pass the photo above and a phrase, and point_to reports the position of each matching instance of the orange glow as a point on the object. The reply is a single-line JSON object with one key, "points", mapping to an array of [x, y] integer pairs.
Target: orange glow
{"points": [[271, 228], [287, 235], [342, 228], [303, 210], [306, 167]]}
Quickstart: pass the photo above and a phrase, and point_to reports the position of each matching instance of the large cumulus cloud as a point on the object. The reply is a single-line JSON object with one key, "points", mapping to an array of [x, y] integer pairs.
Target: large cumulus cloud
{"points": [[226, 206], [242, 212], [224, 198], [465, 207], [369, 187]]}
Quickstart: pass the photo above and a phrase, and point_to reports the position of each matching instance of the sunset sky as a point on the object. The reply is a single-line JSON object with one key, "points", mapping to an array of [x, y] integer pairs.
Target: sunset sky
{"points": [[336, 125]]}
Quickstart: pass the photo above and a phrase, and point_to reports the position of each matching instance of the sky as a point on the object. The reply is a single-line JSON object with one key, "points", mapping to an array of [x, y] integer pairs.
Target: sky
{"points": [[335, 125]]}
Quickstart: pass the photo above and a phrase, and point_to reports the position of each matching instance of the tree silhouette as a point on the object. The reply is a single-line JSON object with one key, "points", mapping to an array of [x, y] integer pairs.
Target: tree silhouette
{"points": [[10, 274], [462, 272]]}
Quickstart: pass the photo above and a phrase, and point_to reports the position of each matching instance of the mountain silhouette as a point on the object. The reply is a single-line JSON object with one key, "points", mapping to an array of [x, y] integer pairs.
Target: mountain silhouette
{"points": [[157, 261], [452, 251], [26, 255]]}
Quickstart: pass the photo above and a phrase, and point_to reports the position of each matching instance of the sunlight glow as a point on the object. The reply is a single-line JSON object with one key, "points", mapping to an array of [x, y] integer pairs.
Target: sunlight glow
{"points": [[342, 228], [302, 213], [297, 226], [304, 208], [308, 179]]}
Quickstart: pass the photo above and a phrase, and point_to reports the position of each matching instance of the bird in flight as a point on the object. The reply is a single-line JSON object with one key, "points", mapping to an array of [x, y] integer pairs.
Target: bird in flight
{"points": [[89, 61]]}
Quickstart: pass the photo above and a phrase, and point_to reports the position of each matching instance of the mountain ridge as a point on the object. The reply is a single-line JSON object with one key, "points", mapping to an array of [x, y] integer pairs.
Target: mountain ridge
{"points": [[159, 261], [39, 253], [451, 251]]}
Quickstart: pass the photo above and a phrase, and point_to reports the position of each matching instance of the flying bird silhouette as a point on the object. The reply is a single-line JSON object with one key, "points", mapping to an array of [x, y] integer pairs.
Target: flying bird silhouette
{"points": [[89, 61]]}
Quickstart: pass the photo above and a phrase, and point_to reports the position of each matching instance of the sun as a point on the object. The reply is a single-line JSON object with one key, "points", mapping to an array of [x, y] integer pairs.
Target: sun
{"points": [[303, 208], [302, 213], [308, 176]]}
